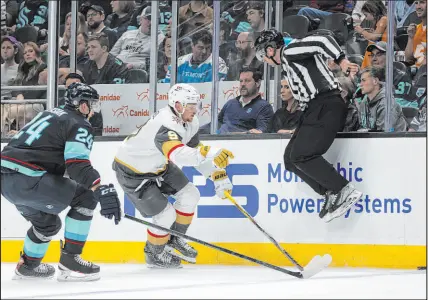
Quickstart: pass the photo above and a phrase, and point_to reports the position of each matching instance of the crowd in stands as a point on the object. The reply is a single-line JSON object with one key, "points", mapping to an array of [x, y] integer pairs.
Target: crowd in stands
{"points": [[114, 42]]}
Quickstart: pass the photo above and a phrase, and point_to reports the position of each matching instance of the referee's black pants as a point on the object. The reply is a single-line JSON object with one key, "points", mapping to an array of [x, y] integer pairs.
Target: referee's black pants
{"points": [[322, 119]]}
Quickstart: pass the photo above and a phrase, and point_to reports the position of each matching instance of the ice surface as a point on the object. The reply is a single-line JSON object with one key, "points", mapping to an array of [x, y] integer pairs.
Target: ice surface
{"points": [[198, 281]]}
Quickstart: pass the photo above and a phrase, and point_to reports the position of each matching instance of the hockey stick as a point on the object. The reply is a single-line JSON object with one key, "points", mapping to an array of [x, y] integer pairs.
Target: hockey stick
{"points": [[263, 231], [313, 267]]}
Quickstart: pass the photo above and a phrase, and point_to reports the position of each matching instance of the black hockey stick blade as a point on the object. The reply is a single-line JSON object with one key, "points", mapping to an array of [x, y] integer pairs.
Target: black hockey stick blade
{"points": [[184, 236]]}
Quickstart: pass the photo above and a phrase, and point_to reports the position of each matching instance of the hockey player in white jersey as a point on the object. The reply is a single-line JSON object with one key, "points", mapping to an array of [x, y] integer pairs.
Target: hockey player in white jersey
{"points": [[146, 168]]}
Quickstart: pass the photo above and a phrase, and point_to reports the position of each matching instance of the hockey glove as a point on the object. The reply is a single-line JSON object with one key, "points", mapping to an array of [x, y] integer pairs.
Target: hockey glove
{"points": [[220, 156], [107, 196], [221, 183]]}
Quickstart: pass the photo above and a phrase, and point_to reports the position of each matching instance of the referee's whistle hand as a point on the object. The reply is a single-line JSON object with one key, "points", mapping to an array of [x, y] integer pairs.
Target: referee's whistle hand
{"points": [[348, 67]]}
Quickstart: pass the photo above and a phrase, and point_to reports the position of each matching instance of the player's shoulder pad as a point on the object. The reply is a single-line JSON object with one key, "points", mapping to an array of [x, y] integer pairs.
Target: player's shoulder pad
{"points": [[170, 121]]}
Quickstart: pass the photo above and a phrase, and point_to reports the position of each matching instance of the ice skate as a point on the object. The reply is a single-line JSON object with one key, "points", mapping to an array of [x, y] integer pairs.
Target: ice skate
{"points": [[73, 268], [160, 258], [342, 201], [24, 270], [185, 251], [326, 205]]}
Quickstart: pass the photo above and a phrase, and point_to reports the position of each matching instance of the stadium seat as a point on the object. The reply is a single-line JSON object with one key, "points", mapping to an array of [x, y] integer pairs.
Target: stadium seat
{"points": [[401, 41], [400, 66], [412, 19], [138, 76], [356, 47], [409, 113], [296, 26], [338, 23], [27, 34]]}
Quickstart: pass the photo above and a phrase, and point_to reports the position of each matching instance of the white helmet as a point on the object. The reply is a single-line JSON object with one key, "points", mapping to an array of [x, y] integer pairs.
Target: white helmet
{"points": [[185, 94]]}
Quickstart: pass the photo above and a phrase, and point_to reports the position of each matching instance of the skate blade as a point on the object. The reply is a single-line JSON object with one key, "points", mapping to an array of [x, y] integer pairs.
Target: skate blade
{"points": [[172, 251], [152, 266], [316, 265], [22, 277], [68, 275]]}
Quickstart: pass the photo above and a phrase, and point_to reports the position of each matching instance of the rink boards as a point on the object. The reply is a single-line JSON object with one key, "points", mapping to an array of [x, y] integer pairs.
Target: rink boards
{"points": [[387, 228]]}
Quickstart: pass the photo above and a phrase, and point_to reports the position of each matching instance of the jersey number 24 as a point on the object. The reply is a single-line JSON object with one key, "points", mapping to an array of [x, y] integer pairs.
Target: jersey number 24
{"points": [[34, 129]]}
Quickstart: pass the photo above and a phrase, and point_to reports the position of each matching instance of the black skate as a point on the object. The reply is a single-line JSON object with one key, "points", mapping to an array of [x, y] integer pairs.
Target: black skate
{"points": [[342, 201], [73, 268], [24, 270], [162, 260], [185, 251], [328, 201]]}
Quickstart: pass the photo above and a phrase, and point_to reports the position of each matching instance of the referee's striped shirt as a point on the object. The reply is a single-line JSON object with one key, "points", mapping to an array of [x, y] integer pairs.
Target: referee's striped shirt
{"points": [[304, 62]]}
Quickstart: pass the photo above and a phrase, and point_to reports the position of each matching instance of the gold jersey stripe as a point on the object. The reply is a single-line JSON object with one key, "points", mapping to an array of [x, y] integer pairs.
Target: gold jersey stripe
{"points": [[168, 145]]}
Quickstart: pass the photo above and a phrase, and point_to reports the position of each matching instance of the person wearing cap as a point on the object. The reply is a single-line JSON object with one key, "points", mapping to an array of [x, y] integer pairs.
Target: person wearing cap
{"points": [[95, 17], [374, 11], [401, 80], [10, 50], [133, 47], [256, 15]]}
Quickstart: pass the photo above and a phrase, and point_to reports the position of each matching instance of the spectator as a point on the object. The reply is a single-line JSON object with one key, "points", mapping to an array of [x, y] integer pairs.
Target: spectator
{"points": [[121, 16], [17, 115], [103, 67], [247, 112], [197, 66], [227, 49], [374, 10], [165, 47], [246, 56], [237, 17], [403, 8], [164, 16], [321, 9], [417, 43], [10, 52], [401, 80], [64, 41], [28, 72], [371, 110], [194, 15], [133, 47], [256, 15], [95, 18], [81, 56], [64, 61], [286, 118]]}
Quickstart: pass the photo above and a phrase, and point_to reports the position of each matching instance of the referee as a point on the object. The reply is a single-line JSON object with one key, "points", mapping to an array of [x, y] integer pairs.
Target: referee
{"points": [[304, 62]]}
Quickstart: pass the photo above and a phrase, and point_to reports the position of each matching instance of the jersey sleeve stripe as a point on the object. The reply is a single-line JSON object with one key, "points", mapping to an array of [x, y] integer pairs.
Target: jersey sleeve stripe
{"points": [[169, 146], [76, 150], [69, 161]]}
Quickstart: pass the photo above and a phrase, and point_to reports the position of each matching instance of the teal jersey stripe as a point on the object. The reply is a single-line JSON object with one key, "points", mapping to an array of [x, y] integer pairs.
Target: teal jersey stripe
{"points": [[33, 249], [21, 169], [76, 150]]}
